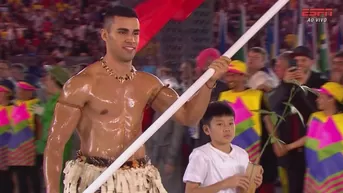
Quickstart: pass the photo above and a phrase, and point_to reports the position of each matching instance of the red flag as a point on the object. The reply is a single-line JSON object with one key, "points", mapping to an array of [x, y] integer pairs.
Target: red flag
{"points": [[187, 8], [154, 14]]}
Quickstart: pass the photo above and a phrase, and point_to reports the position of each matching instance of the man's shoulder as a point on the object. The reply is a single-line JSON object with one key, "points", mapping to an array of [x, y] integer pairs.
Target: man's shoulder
{"points": [[85, 76], [149, 78], [317, 79]]}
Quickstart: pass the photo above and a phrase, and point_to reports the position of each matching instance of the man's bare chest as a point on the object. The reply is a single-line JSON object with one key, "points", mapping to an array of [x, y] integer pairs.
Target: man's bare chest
{"points": [[116, 98]]}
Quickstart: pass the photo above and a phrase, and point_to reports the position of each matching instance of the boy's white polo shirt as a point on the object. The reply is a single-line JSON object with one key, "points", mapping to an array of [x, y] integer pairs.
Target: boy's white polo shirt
{"points": [[208, 165]]}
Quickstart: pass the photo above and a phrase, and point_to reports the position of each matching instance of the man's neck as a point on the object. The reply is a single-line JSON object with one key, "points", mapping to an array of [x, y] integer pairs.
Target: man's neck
{"points": [[306, 77], [252, 71], [4, 103], [239, 88], [330, 111], [119, 68]]}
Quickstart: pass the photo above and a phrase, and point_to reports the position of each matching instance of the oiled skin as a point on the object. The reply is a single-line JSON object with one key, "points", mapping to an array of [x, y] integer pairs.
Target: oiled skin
{"points": [[108, 115]]}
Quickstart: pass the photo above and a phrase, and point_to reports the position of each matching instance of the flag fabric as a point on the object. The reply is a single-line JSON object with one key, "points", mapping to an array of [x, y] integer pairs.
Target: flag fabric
{"points": [[293, 4], [276, 45], [155, 14], [314, 40], [272, 41], [241, 54], [323, 52], [300, 24], [340, 35], [223, 22], [186, 10]]}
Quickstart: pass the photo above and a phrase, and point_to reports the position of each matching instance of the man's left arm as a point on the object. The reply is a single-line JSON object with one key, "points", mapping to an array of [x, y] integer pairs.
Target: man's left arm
{"points": [[193, 110]]}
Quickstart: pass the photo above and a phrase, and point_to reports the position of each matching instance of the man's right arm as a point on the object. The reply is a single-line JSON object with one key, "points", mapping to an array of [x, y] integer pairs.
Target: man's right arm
{"points": [[66, 117]]}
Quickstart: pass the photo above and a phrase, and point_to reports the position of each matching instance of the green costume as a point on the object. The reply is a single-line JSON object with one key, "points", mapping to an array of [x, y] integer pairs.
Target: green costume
{"points": [[61, 76]]}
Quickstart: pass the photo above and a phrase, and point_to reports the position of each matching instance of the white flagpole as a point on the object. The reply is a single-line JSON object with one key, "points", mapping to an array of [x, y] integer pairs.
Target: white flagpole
{"points": [[182, 99]]}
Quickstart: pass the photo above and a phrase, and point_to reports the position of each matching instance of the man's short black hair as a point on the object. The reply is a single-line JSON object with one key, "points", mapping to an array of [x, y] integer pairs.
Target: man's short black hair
{"points": [[217, 109], [118, 10]]}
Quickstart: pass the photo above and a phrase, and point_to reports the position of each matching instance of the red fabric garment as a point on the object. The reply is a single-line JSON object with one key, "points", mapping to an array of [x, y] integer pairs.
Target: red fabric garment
{"points": [[47, 26], [267, 188], [154, 14], [148, 116], [21, 42], [295, 127], [187, 8], [35, 42], [46, 3]]}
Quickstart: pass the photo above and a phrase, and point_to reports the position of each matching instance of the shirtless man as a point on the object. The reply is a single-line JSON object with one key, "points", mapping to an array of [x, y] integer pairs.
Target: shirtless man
{"points": [[105, 103]]}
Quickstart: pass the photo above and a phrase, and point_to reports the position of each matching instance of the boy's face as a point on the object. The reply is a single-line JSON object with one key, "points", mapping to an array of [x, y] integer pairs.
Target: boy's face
{"points": [[221, 129]]}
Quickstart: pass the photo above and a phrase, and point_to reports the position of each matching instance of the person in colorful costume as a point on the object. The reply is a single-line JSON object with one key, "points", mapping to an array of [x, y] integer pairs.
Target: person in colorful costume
{"points": [[324, 143], [53, 82], [252, 127], [6, 91], [25, 130]]}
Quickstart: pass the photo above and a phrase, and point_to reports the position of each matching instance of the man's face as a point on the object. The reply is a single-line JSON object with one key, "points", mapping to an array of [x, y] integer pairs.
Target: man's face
{"points": [[280, 68], [304, 63], [221, 129], [186, 71], [22, 94], [337, 65], [3, 70], [3, 97], [122, 38], [17, 73], [234, 79], [255, 60], [324, 101], [48, 82]]}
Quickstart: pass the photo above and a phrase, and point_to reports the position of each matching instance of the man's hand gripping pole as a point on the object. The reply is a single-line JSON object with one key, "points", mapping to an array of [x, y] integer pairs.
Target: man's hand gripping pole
{"points": [[183, 99]]}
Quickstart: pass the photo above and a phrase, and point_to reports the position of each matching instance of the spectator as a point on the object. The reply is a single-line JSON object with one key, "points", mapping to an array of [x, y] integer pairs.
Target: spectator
{"points": [[337, 68], [282, 64], [294, 161], [261, 77], [4, 70], [17, 72]]}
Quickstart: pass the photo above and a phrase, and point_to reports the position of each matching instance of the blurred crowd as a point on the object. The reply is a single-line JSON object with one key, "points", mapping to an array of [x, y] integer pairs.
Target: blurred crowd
{"points": [[53, 30], [287, 26]]}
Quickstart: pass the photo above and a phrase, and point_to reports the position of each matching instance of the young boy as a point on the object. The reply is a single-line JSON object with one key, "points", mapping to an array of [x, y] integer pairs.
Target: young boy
{"points": [[218, 166], [252, 127]]}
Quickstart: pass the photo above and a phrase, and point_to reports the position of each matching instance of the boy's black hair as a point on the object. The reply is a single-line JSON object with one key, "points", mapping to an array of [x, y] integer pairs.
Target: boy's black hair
{"points": [[118, 10], [216, 109]]}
